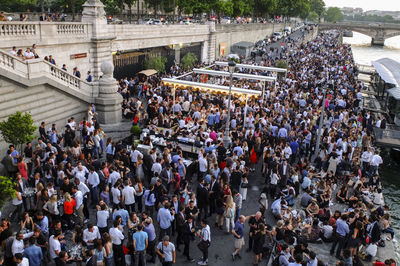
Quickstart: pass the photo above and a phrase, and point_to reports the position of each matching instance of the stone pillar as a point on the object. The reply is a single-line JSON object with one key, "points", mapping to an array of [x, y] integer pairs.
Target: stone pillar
{"points": [[379, 38], [177, 54], [108, 103], [212, 43], [204, 52], [93, 13]]}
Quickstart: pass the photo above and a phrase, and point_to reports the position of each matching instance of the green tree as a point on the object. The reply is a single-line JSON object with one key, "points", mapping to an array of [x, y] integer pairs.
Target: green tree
{"points": [[130, 3], [313, 16], [18, 129], [188, 61], [333, 14], [111, 7], [154, 4], [317, 6], [264, 8], [7, 187], [157, 63]]}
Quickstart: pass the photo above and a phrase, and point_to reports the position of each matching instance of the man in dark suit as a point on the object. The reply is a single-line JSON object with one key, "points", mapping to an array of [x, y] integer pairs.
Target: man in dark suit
{"points": [[202, 199], [187, 236], [236, 178], [180, 221], [167, 177], [10, 166], [215, 189]]}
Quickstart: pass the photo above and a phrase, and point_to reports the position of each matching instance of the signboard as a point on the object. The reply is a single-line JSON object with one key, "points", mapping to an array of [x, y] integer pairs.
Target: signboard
{"points": [[77, 56], [222, 49]]}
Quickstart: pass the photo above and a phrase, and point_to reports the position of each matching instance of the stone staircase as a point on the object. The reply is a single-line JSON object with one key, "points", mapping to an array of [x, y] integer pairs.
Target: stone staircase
{"points": [[43, 102]]}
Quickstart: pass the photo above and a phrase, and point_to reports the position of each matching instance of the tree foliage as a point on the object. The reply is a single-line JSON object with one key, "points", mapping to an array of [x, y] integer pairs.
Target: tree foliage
{"points": [[18, 128], [317, 6], [157, 63], [188, 61], [333, 14], [7, 188], [313, 16]]}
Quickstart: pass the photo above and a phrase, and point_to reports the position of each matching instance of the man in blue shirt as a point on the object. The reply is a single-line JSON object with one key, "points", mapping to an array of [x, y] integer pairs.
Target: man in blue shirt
{"points": [[151, 233], [342, 229], [33, 253], [43, 222], [165, 218], [238, 233], [140, 242], [123, 214]]}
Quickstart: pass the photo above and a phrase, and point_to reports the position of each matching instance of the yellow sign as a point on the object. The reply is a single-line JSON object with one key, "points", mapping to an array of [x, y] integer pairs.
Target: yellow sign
{"points": [[222, 49]]}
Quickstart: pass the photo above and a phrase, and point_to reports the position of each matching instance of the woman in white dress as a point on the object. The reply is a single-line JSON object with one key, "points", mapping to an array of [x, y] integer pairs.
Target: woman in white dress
{"points": [[243, 187], [139, 168]]}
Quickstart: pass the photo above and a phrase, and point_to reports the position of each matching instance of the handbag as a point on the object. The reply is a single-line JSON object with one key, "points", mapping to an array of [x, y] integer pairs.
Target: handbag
{"points": [[162, 251], [203, 245], [244, 185]]}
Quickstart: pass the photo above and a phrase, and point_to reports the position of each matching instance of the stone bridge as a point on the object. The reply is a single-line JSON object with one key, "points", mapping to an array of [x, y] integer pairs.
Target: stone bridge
{"points": [[379, 32]]}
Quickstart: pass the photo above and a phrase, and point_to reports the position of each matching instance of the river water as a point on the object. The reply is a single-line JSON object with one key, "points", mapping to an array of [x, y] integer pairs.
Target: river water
{"points": [[364, 53]]}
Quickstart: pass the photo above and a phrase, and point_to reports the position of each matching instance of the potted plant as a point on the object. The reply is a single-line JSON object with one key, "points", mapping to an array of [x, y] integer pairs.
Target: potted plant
{"points": [[135, 131]]}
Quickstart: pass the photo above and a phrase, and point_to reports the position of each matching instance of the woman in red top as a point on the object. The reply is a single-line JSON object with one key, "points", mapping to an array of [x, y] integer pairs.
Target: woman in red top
{"points": [[69, 205], [22, 167]]}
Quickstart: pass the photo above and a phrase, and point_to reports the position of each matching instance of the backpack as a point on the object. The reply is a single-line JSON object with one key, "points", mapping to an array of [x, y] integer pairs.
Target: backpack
{"points": [[228, 213], [275, 262]]}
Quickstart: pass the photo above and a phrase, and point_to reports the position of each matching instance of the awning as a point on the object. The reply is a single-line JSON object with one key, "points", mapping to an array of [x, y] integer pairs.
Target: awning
{"points": [[394, 92], [148, 72], [384, 73]]}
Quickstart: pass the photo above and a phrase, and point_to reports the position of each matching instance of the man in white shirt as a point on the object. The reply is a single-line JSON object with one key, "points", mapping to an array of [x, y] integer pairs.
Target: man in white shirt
{"points": [[28, 54], [375, 161], [102, 216], [18, 243], [128, 197], [157, 168], [80, 171], [21, 260], [134, 156], [79, 203], [203, 165], [117, 237], [90, 234], [55, 246], [93, 182], [114, 176], [13, 51], [116, 194], [365, 159]]}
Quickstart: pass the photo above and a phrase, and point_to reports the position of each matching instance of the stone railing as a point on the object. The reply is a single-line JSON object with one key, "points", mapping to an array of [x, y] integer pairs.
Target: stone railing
{"points": [[63, 76], [17, 29], [7, 60], [16, 32], [39, 68], [67, 28]]}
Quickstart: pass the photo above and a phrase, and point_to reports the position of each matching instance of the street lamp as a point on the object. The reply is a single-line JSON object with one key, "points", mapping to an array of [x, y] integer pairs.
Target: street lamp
{"points": [[231, 65]]}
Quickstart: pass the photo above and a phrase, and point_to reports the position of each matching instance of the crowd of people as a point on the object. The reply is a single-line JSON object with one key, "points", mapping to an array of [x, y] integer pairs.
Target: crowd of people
{"points": [[127, 206]]}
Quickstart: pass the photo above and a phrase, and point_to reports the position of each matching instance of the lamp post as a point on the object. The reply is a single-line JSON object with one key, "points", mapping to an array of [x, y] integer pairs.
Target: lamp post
{"points": [[227, 139]]}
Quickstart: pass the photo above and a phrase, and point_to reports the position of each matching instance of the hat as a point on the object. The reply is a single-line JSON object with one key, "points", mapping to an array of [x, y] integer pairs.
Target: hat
{"points": [[165, 238]]}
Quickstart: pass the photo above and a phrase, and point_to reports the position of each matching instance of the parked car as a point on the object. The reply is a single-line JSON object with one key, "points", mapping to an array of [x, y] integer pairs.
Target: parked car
{"points": [[278, 35]]}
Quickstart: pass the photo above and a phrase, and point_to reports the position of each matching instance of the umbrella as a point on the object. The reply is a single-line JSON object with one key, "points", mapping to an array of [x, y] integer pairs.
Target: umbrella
{"points": [[148, 72]]}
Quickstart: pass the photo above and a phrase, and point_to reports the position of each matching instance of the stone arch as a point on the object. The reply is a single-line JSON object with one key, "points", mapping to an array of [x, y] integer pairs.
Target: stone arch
{"points": [[392, 34]]}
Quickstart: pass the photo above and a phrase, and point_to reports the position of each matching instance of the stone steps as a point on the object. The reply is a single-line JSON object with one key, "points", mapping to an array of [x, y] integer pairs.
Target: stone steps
{"points": [[21, 94], [52, 111], [4, 90], [27, 104]]}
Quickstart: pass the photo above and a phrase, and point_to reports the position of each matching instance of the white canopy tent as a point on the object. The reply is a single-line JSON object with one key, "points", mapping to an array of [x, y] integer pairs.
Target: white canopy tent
{"points": [[236, 75], [262, 68], [205, 86], [384, 73]]}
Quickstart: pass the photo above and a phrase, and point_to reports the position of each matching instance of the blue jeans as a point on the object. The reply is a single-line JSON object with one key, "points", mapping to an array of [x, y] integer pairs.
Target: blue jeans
{"points": [[237, 214]]}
